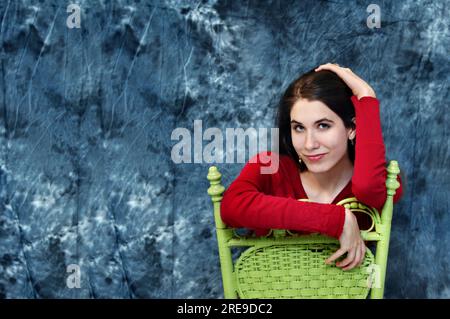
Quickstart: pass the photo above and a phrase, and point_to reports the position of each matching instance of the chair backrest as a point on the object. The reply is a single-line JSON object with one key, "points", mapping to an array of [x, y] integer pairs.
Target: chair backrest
{"points": [[283, 264]]}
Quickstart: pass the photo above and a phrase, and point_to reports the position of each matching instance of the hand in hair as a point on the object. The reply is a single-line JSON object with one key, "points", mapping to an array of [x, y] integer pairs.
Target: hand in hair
{"points": [[358, 86]]}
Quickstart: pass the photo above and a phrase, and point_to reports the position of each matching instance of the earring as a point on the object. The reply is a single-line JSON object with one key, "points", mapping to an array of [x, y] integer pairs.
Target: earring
{"points": [[299, 159], [352, 142]]}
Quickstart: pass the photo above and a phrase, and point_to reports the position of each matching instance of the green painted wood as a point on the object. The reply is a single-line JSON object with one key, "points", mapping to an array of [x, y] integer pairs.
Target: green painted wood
{"points": [[385, 231], [223, 234]]}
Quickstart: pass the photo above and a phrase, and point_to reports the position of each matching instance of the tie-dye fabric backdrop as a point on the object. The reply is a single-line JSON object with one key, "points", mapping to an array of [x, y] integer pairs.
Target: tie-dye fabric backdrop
{"points": [[87, 115]]}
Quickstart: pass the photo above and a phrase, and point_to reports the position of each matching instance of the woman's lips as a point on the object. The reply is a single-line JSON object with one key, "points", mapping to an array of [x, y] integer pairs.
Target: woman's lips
{"points": [[316, 157]]}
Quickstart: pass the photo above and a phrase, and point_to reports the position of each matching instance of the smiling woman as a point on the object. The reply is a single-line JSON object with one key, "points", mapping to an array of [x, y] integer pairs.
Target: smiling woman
{"points": [[323, 146], [322, 133], [320, 116]]}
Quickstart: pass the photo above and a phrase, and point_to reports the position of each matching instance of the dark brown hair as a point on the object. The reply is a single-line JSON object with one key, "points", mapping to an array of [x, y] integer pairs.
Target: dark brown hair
{"points": [[324, 86]]}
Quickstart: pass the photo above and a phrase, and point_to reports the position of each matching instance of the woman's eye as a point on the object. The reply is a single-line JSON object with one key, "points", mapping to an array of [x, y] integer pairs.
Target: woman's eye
{"points": [[299, 128], [323, 125]]}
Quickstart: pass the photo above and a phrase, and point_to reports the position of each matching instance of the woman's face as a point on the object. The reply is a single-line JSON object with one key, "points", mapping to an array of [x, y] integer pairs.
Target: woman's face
{"points": [[316, 129]]}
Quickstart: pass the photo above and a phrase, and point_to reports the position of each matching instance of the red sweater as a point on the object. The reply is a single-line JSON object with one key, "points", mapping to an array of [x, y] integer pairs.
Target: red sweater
{"points": [[269, 201]]}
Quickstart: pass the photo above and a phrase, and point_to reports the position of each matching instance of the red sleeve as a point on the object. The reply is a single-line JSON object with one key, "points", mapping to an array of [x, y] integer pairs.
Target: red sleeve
{"points": [[246, 204], [369, 175]]}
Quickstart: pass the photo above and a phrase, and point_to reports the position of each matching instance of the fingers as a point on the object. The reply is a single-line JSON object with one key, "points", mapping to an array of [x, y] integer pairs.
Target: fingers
{"points": [[358, 259], [348, 260], [332, 67], [327, 66], [355, 257], [358, 86], [335, 256], [363, 254], [350, 78], [355, 260]]}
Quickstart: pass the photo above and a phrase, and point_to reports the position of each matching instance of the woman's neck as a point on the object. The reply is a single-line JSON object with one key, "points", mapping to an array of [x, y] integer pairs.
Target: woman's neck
{"points": [[335, 178]]}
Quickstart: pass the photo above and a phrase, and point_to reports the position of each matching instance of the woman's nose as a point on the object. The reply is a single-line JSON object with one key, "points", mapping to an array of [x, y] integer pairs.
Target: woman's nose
{"points": [[311, 142]]}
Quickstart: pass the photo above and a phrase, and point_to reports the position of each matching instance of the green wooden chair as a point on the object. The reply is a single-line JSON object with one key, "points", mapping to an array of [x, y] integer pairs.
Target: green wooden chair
{"points": [[283, 264]]}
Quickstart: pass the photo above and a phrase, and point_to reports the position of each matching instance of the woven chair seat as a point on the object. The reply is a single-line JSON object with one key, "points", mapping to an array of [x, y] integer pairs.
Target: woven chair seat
{"points": [[299, 271]]}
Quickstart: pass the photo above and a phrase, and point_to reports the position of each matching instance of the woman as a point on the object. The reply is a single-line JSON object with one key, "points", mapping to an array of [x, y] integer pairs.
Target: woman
{"points": [[319, 118]]}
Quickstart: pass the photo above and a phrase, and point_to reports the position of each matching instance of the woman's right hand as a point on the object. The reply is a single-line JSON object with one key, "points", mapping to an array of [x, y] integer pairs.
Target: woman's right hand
{"points": [[351, 243], [359, 87]]}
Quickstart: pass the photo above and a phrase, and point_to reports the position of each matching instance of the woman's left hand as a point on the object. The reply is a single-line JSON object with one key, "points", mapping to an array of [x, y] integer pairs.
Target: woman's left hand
{"points": [[358, 86]]}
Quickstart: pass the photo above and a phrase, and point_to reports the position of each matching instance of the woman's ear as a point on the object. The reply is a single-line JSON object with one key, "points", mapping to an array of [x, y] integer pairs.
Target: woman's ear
{"points": [[352, 132]]}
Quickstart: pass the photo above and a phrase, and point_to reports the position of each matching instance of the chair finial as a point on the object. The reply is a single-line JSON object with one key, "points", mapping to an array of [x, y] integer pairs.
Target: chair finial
{"points": [[216, 189], [391, 182]]}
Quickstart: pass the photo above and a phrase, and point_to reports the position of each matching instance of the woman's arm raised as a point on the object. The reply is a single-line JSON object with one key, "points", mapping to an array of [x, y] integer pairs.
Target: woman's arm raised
{"points": [[369, 177]]}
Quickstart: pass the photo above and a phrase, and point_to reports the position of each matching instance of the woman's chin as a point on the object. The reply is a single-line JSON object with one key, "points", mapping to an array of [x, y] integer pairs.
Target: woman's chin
{"points": [[317, 168]]}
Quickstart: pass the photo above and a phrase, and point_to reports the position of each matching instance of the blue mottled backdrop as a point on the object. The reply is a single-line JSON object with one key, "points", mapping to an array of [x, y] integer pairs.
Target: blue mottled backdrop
{"points": [[87, 116]]}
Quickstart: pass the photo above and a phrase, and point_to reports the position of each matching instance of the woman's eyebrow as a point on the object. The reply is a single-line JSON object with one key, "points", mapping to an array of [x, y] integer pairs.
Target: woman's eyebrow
{"points": [[321, 120]]}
